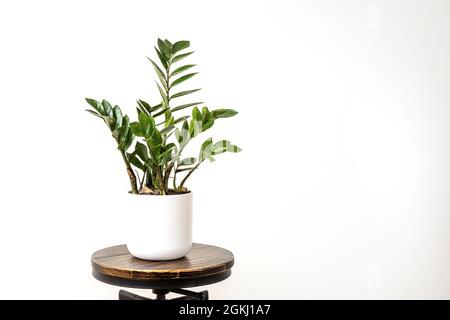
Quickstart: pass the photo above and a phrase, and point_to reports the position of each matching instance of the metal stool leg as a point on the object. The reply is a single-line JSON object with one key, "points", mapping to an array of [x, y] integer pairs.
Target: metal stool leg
{"points": [[161, 295], [125, 295]]}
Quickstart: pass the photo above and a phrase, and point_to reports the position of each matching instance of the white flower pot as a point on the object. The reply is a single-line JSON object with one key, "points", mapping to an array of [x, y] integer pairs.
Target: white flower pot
{"points": [[160, 227]]}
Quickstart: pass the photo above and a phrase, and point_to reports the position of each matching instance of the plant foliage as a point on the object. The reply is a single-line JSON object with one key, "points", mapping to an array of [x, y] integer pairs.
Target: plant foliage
{"points": [[160, 134]]}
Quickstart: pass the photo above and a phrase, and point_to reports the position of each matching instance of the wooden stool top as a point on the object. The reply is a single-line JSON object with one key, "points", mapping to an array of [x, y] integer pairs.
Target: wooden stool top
{"points": [[204, 264]]}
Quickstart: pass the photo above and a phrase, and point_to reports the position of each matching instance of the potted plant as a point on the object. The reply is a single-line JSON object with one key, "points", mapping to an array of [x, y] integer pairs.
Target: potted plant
{"points": [[160, 205]]}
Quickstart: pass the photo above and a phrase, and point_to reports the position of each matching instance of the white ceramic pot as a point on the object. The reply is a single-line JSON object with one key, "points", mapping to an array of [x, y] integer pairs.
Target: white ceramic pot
{"points": [[160, 227]]}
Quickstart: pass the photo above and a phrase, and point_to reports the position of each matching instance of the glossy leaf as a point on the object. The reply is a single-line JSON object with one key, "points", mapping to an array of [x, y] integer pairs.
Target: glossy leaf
{"points": [[164, 49], [196, 114], [117, 113], [181, 56], [183, 106], [187, 161], [94, 113], [161, 112], [155, 108], [162, 93], [161, 58], [128, 141], [206, 150], [147, 124], [183, 135], [145, 105], [182, 69], [108, 108], [135, 161], [182, 79], [225, 146], [207, 124], [136, 129], [169, 44], [178, 134], [167, 129], [96, 105], [166, 155], [180, 45], [141, 151], [160, 73], [140, 108], [183, 93], [223, 113], [180, 119]]}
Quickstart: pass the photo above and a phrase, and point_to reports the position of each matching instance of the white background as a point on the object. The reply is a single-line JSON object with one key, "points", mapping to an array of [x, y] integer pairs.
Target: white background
{"points": [[341, 190]]}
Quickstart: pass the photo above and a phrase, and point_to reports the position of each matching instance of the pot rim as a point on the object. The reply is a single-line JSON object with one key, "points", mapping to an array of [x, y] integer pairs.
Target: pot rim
{"points": [[162, 195]]}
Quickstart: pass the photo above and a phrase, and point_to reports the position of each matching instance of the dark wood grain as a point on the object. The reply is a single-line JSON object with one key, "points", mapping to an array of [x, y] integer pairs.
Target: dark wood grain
{"points": [[202, 261]]}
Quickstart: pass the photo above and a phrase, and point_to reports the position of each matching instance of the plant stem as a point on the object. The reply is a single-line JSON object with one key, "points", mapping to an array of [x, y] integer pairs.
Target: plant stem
{"points": [[187, 176], [166, 178], [175, 177], [130, 172]]}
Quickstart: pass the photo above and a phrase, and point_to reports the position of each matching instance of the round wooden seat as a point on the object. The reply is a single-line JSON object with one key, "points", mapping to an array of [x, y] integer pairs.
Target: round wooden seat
{"points": [[204, 264]]}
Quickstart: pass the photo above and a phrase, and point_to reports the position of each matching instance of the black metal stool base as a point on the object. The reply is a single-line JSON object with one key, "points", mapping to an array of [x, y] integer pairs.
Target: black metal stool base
{"points": [[161, 295]]}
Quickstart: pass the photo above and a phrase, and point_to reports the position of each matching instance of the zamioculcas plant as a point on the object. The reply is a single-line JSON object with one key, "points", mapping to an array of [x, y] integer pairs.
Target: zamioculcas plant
{"points": [[154, 162], [152, 149]]}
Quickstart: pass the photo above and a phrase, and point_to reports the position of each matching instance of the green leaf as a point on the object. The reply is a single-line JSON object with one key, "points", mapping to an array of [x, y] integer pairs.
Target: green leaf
{"points": [[161, 58], [181, 56], [169, 146], [207, 124], [183, 106], [196, 114], [183, 136], [141, 151], [167, 129], [180, 45], [125, 121], [225, 146], [140, 108], [94, 113], [223, 113], [182, 79], [195, 126], [108, 108], [162, 93], [180, 119], [145, 105], [147, 124], [117, 114], [166, 155], [136, 129], [155, 108], [154, 141], [96, 105], [206, 150], [187, 161], [125, 136], [181, 69], [207, 120], [165, 50], [183, 93], [135, 161], [169, 44], [206, 115], [161, 112], [161, 75], [128, 141], [185, 126], [178, 135]]}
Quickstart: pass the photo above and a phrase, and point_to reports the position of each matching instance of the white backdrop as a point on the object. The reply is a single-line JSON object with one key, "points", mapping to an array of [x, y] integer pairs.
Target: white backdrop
{"points": [[341, 190]]}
